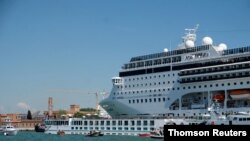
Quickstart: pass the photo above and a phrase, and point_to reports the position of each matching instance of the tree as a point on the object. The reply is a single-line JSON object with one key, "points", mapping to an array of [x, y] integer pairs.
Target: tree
{"points": [[78, 115], [29, 116]]}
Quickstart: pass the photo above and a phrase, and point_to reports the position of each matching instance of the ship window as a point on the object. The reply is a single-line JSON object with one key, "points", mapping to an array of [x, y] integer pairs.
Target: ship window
{"points": [[152, 123], [173, 89], [211, 85], [133, 101], [90, 122], [141, 100], [235, 83], [247, 82], [163, 99], [159, 99], [146, 100], [150, 100], [154, 99], [222, 84], [178, 88], [163, 90], [241, 83], [154, 83], [184, 88], [146, 77], [168, 89], [194, 87], [129, 101], [113, 122], [107, 122], [102, 122], [137, 100], [159, 90], [159, 83], [216, 85], [154, 90], [132, 128], [228, 84]]}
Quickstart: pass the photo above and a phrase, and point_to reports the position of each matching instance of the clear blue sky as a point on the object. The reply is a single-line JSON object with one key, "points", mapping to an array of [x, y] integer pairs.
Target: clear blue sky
{"points": [[67, 48]]}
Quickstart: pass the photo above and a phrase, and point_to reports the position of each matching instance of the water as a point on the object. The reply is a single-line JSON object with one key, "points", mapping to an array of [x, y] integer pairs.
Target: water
{"points": [[34, 136]]}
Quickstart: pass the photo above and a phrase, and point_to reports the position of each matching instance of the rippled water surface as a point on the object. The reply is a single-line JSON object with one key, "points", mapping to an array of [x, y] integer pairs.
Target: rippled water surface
{"points": [[34, 136]]}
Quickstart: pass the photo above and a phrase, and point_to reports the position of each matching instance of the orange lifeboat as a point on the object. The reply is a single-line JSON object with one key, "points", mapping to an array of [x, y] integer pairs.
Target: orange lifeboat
{"points": [[240, 94], [219, 97]]}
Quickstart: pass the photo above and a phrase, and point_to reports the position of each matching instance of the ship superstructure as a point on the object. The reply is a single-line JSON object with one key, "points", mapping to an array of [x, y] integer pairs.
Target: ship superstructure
{"points": [[182, 82]]}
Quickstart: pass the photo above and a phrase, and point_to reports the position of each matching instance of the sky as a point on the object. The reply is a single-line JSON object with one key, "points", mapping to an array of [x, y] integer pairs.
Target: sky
{"points": [[70, 49]]}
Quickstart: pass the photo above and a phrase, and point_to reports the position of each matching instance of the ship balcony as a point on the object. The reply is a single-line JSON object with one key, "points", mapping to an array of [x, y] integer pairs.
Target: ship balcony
{"points": [[200, 78], [215, 69]]}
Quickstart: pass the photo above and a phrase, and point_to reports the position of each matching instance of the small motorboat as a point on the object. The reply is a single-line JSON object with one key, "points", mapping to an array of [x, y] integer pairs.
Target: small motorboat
{"points": [[8, 130], [144, 134], [60, 133], [94, 133], [157, 134], [40, 127]]}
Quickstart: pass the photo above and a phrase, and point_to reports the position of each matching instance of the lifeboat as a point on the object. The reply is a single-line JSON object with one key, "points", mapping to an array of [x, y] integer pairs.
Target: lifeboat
{"points": [[240, 94], [219, 97]]}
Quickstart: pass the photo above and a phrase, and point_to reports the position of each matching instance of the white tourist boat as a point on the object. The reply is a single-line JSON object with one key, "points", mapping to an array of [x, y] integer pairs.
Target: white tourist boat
{"points": [[132, 127]]}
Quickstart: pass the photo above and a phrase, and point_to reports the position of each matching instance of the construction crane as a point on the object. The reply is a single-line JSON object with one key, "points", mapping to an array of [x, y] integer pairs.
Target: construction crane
{"points": [[97, 98]]}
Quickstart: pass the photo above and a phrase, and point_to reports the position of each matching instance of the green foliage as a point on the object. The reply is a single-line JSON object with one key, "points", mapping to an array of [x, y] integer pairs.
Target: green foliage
{"points": [[29, 116], [87, 109], [78, 115]]}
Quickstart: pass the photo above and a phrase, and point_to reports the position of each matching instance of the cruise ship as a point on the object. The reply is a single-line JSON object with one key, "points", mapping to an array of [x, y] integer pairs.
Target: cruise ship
{"points": [[157, 89], [183, 82]]}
